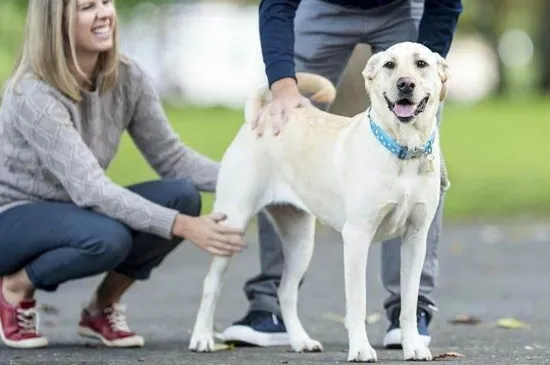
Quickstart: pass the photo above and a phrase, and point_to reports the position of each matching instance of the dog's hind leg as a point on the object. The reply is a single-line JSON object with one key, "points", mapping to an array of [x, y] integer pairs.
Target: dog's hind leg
{"points": [[202, 339], [296, 229], [238, 195]]}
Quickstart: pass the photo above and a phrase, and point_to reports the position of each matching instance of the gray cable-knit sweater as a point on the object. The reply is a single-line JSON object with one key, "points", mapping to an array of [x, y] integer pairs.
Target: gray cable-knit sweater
{"points": [[53, 149]]}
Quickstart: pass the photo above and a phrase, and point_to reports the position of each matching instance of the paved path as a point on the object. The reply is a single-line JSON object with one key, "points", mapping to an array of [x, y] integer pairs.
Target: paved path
{"points": [[486, 272]]}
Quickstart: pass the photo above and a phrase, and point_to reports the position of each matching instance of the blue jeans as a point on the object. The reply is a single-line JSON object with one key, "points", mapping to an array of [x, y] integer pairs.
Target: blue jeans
{"points": [[57, 241]]}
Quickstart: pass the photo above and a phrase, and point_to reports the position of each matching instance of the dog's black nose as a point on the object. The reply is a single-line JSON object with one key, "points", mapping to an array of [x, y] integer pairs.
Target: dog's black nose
{"points": [[405, 85]]}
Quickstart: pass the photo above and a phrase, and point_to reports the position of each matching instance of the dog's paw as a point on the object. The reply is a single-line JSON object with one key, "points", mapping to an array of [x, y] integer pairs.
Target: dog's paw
{"points": [[417, 352], [364, 353], [203, 342], [306, 345]]}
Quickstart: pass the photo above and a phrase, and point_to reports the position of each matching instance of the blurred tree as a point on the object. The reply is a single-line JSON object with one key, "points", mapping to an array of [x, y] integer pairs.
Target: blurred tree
{"points": [[490, 18], [544, 46]]}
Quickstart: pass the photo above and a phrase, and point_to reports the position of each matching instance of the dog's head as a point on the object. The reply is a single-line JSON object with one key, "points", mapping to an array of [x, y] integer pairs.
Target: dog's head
{"points": [[406, 80]]}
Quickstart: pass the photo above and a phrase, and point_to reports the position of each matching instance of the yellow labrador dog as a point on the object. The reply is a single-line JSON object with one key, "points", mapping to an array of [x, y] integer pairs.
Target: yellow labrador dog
{"points": [[371, 177]]}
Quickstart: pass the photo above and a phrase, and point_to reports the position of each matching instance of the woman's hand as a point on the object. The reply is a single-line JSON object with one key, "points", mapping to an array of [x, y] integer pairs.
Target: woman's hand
{"points": [[207, 233]]}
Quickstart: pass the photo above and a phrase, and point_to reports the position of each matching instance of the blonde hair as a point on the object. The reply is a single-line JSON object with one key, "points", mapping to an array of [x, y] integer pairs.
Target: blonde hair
{"points": [[49, 45]]}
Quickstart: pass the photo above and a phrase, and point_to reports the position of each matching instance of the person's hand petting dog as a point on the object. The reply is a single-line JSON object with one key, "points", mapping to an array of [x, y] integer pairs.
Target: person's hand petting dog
{"points": [[286, 97]]}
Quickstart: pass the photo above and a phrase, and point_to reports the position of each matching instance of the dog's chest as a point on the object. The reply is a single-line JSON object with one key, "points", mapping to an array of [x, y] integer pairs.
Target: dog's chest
{"points": [[407, 203]]}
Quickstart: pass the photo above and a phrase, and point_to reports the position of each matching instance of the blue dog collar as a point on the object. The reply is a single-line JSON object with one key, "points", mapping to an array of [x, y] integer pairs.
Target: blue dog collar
{"points": [[402, 152]]}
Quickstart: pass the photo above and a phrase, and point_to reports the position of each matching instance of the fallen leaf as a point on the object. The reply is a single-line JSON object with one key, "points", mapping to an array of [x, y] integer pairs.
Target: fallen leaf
{"points": [[222, 347], [448, 355], [334, 317], [465, 319], [373, 318], [511, 323], [48, 309]]}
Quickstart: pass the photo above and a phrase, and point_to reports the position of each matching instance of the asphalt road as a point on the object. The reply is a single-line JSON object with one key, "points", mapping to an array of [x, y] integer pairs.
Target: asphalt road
{"points": [[487, 272]]}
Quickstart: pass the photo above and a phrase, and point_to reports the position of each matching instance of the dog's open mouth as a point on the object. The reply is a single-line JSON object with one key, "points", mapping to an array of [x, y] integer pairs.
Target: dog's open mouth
{"points": [[405, 110]]}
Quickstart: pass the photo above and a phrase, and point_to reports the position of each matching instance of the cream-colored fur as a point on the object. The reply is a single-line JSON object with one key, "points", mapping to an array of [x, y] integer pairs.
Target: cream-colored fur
{"points": [[333, 168]]}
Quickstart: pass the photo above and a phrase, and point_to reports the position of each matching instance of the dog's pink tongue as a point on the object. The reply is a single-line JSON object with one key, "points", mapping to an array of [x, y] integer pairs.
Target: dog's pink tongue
{"points": [[403, 110]]}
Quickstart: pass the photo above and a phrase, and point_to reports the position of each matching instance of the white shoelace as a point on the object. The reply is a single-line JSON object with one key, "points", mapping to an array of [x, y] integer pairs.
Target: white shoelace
{"points": [[27, 319], [117, 318]]}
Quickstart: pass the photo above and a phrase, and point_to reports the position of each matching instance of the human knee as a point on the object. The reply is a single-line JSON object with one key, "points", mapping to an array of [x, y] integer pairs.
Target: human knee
{"points": [[111, 242], [186, 197]]}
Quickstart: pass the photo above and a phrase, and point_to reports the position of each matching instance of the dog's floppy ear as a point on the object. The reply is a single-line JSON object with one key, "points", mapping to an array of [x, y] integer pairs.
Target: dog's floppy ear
{"points": [[444, 73], [370, 70]]}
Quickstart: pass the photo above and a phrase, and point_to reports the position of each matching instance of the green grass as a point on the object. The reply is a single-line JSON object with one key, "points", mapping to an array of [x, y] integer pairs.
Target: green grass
{"points": [[496, 155], [12, 22]]}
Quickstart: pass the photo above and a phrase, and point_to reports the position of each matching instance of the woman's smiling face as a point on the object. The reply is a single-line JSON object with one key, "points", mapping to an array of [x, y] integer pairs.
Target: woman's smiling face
{"points": [[94, 26]]}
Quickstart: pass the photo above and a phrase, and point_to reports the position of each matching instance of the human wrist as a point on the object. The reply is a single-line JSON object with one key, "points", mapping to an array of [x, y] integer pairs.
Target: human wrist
{"points": [[283, 84], [181, 226]]}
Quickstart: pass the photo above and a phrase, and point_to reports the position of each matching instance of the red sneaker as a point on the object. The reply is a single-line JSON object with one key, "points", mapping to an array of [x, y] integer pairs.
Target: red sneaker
{"points": [[18, 324], [110, 327]]}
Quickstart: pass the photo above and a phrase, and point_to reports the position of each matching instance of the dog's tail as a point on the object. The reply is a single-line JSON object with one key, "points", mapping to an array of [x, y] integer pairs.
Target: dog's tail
{"points": [[317, 88]]}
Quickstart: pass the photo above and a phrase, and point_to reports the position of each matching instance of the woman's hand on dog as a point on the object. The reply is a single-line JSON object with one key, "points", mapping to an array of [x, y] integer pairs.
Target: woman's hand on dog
{"points": [[209, 234], [286, 97]]}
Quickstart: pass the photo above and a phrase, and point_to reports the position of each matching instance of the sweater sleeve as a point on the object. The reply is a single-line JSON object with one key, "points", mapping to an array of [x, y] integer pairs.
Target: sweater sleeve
{"points": [[277, 37], [48, 129], [438, 24], [161, 145]]}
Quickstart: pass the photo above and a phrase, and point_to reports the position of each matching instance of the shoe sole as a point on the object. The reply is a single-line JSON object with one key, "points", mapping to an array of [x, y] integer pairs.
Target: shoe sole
{"points": [[134, 341], [392, 340], [23, 344], [246, 335]]}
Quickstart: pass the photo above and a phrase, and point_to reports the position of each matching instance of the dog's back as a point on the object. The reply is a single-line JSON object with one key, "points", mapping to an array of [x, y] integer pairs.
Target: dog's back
{"points": [[307, 138]]}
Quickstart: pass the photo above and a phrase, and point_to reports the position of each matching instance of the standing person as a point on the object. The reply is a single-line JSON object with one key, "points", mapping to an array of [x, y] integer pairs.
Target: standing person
{"points": [[64, 110], [318, 36]]}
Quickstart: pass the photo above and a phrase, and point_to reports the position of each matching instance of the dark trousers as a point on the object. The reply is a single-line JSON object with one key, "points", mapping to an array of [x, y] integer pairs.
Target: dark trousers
{"points": [[56, 242]]}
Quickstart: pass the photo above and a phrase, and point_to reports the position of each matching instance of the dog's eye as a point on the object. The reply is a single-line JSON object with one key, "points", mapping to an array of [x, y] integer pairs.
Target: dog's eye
{"points": [[421, 64], [389, 64]]}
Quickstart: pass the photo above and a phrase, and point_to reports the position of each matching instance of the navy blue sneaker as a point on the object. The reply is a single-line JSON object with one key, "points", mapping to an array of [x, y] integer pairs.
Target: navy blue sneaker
{"points": [[257, 328], [392, 340]]}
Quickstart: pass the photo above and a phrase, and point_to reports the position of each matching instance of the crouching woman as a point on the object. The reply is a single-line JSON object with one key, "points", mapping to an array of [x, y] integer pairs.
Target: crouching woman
{"points": [[64, 110]]}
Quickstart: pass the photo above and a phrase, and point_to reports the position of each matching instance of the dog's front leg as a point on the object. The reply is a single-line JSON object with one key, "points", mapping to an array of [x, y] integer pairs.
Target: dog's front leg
{"points": [[413, 252], [357, 240]]}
